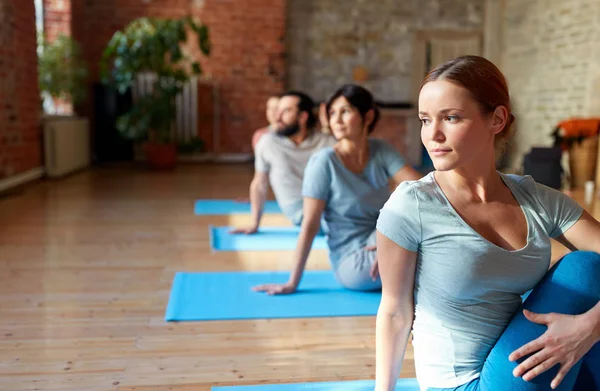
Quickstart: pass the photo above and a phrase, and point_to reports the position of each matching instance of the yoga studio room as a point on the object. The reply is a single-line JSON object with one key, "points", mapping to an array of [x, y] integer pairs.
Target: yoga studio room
{"points": [[299, 195]]}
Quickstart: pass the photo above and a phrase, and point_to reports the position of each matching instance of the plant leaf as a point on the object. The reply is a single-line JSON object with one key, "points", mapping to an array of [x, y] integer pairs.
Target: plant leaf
{"points": [[196, 68]]}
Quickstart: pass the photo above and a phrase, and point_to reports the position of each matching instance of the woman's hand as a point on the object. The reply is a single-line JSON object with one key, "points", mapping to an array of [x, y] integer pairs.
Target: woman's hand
{"points": [[567, 339], [276, 289], [313, 209], [246, 230], [374, 272]]}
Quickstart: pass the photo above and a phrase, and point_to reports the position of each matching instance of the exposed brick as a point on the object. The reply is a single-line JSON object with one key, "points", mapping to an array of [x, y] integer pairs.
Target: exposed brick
{"points": [[245, 34], [57, 18], [20, 140], [57, 21], [550, 54]]}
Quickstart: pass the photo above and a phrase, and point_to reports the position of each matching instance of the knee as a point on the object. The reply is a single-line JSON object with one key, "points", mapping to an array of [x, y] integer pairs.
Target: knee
{"points": [[357, 278], [579, 268], [581, 262], [366, 285], [363, 284]]}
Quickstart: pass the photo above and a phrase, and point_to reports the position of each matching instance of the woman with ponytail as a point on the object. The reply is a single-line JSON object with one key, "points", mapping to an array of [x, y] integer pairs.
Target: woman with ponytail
{"points": [[460, 248], [347, 184]]}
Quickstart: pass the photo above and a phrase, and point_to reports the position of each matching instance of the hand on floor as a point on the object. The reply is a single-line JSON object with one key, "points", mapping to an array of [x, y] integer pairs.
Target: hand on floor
{"points": [[565, 342], [275, 289], [247, 230], [374, 272]]}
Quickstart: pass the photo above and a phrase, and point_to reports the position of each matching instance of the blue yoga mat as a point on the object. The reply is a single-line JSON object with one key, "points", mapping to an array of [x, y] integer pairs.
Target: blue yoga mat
{"points": [[267, 238], [358, 385], [227, 207], [228, 296]]}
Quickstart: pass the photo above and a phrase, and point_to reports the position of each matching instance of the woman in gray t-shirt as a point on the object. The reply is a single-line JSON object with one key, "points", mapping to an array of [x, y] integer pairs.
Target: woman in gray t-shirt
{"points": [[458, 249], [347, 185]]}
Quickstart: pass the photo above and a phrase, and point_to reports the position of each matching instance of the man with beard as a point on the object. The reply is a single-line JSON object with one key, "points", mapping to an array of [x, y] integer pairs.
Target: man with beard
{"points": [[281, 157]]}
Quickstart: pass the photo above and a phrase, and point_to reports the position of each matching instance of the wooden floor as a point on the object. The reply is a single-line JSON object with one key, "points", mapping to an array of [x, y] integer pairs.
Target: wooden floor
{"points": [[86, 265]]}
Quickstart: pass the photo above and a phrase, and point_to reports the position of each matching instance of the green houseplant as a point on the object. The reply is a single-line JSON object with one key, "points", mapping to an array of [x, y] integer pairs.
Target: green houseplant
{"points": [[152, 45], [62, 72]]}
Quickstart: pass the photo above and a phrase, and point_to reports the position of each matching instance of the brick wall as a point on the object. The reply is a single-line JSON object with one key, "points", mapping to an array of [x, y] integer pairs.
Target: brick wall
{"points": [[57, 21], [20, 136], [57, 18], [548, 52], [246, 59], [550, 58]]}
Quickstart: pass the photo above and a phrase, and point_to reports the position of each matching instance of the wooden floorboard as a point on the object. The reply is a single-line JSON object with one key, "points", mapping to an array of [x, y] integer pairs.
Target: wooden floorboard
{"points": [[86, 265]]}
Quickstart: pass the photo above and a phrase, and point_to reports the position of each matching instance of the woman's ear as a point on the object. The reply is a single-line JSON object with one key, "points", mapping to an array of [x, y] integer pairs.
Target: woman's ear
{"points": [[499, 119], [369, 118]]}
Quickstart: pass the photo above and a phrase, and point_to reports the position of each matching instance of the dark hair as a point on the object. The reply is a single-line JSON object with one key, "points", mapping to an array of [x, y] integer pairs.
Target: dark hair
{"points": [[305, 103], [483, 80], [360, 98]]}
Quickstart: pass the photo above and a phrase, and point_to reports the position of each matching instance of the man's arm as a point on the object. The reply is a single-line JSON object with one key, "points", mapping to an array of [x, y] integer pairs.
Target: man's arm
{"points": [[258, 195]]}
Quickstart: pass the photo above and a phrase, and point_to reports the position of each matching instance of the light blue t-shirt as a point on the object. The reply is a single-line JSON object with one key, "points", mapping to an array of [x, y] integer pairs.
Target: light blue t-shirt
{"points": [[353, 201], [466, 288]]}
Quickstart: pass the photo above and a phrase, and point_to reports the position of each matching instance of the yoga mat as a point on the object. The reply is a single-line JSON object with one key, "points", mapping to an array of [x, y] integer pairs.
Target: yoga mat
{"points": [[227, 207], [267, 238], [358, 385], [228, 296]]}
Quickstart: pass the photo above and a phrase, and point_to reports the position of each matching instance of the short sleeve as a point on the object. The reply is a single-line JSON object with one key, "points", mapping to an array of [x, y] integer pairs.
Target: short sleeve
{"points": [[261, 164], [562, 211], [317, 177], [390, 158], [399, 219]]}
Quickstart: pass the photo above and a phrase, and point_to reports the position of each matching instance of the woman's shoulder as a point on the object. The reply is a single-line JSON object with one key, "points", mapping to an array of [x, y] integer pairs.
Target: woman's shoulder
{"points": [[519, 180], [522, 183], [400, 217], [538, 194], [425, 183], [414, 191], [321, 159]]}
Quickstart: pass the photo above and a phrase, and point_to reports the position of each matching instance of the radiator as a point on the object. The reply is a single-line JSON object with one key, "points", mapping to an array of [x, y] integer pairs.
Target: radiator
{"points": [[192, 119], [186, 120], [66, 145]]}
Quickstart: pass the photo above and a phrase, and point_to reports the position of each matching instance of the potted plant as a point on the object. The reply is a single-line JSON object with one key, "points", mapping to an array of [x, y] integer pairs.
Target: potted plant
{"points": [[62, 74], [62, 78], [153, 46]]}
